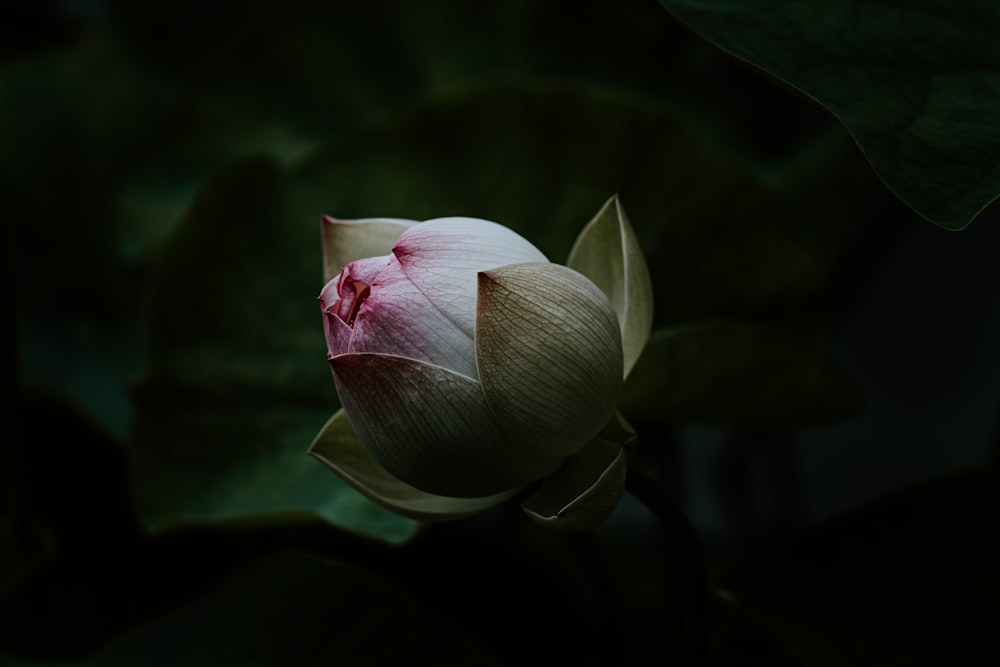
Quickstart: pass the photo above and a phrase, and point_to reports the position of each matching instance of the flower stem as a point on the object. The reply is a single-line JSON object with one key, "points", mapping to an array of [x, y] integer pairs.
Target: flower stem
{"points": [[689, 584]]}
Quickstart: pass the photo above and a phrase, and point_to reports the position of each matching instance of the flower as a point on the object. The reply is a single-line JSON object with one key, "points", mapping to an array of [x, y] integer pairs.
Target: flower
{"points": [[470, 368]]}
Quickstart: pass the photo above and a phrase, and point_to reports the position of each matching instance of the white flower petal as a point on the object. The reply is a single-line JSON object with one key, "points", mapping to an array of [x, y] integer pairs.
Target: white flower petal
{"points": [[443, 256], [338, 447], [398, 319], [549, 353], [431, 427]]}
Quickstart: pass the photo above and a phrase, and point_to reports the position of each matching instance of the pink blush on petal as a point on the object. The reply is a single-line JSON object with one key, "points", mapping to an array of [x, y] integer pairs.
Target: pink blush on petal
{"points": [[397, 318]]}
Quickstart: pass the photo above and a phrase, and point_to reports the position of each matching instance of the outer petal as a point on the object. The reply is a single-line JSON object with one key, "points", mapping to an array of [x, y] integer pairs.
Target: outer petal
{"points": [[549, 353], [347, 240], [431, 427], [339, 448], [607, 251], [399, 319], [443, 256], [584, 492]]}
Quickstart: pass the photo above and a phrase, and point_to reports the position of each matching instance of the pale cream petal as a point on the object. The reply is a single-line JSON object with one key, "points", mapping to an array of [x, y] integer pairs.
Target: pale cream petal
{"points": [[345, 241], [549, 354], [607, 251]]}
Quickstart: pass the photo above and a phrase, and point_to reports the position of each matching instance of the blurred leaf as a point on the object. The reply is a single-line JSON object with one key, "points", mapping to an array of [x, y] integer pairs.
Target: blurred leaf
{"points": [[104, 157], [238, 385], [100, 162], [68, 128], [910, 579], [916, 82], [738, 374], [291, 608]]}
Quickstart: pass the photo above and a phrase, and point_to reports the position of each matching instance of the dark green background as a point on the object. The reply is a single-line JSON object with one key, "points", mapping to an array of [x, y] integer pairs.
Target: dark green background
{"points": [[819, 395]]}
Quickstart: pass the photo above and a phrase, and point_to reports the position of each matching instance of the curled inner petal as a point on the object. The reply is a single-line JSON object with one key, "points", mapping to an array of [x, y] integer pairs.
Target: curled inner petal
{"points": [[352, 294], [353, 287]]}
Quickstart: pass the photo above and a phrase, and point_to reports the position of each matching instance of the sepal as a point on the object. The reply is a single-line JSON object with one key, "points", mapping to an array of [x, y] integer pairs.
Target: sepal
{"points": [[585, 491]]}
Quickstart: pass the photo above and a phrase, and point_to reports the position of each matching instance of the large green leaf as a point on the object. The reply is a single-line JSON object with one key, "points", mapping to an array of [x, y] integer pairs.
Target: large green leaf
{"points": [[738, 374], [917, 82], [291, 608]]}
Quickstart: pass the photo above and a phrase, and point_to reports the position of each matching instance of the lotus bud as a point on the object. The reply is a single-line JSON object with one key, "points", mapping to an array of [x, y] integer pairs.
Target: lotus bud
{"points": [[471, 369]]}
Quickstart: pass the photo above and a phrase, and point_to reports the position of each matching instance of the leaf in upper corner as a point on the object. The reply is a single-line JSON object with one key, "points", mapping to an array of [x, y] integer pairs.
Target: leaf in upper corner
{"points": [[916, 82]]}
